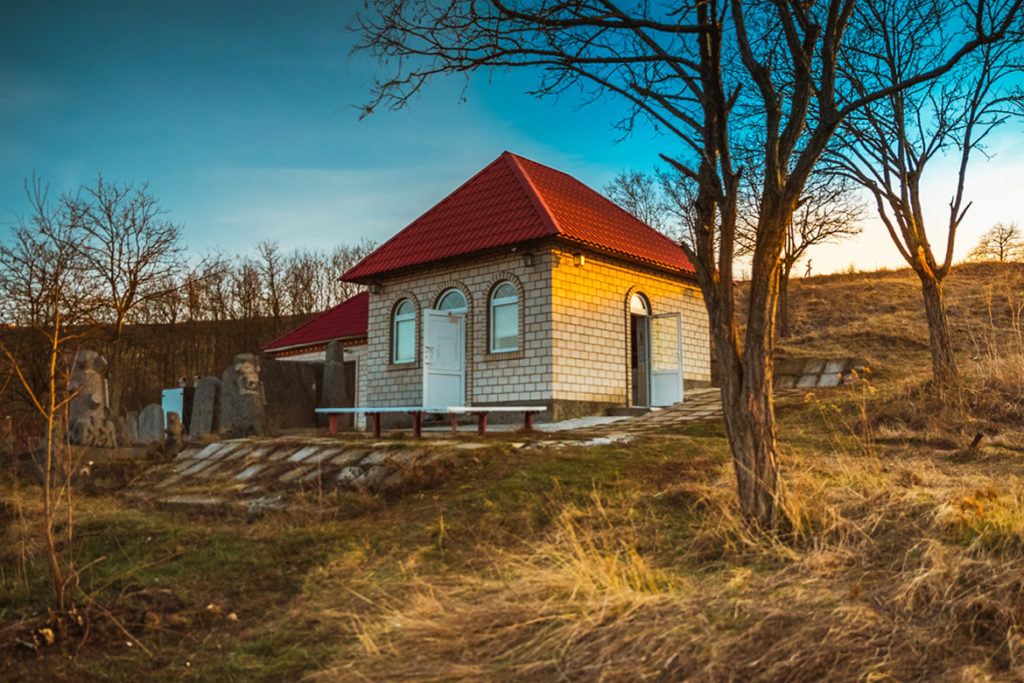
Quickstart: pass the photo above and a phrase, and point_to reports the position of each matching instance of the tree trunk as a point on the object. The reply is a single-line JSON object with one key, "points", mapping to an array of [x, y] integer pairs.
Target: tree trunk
{"points": [[944, 366], [749, 413]]}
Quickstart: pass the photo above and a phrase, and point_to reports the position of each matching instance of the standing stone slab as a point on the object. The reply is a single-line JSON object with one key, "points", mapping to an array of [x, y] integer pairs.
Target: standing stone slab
{"points": [[338, 383], [205, 409], [242, 400], [131, 426], [151, 424]]}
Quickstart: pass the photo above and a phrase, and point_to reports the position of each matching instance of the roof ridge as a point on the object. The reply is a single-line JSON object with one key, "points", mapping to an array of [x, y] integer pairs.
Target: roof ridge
{"points": [[600, 195], [543, 210], [410, 223]]}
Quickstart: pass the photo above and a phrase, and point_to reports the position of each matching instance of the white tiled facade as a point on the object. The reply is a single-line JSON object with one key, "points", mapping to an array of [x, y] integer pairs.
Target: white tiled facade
{"points": [[573, 331]]}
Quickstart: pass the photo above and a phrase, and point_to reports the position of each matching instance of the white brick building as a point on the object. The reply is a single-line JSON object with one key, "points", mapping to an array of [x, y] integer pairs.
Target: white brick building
{"points": [[526, 287]]}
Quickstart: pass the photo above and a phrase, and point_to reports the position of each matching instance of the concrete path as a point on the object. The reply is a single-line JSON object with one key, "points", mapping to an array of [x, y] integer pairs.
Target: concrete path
{"points": [[701, 405], [263, 473]]}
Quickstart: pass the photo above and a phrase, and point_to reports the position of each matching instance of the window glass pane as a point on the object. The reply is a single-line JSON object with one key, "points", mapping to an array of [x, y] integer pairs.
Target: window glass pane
{"points": [[504, 290], [637, 305], [665, 343], [405, 308], [505, 327], [453, 300], [405, 340]]}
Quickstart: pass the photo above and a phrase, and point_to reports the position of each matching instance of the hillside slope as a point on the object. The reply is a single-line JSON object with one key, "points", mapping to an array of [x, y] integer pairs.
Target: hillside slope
{"points": [[901, 559], [880, 315]]}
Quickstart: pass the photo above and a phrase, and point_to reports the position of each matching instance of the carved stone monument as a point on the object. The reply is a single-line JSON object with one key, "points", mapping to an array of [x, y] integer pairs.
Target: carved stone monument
{"points": [[243, 403], [151, 424], [205, 408], [175, 433], [89, 408]]}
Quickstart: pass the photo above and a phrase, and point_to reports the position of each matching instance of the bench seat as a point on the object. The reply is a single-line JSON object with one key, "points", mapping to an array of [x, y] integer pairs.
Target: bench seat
{"points": [[417, 412]]}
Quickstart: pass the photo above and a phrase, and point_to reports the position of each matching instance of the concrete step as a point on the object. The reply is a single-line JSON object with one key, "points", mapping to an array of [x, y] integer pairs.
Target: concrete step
{"points": [[626, 412]]}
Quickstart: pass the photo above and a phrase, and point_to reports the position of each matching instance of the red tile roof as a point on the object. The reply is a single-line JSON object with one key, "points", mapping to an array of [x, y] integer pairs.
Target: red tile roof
{"points": [[346, 320], [515, 200]]}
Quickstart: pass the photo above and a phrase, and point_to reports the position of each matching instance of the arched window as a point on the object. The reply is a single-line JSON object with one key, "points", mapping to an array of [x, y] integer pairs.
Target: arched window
{"points": [[504, 318], [452, 300], [638, 305], [403, 333]]}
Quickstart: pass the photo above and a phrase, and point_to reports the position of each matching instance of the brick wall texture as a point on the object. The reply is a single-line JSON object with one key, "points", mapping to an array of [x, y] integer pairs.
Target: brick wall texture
{"points": [[573, 329]]}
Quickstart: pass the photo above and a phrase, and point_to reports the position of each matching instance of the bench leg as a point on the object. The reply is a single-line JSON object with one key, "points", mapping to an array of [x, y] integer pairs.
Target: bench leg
{"points": [[481, 423], [376, 424], [455, 424], [528, 420], [417, 423], [332, 423]]}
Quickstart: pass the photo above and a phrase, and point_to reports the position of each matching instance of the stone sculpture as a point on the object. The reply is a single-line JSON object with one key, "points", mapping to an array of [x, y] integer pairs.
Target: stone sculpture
{"points": [[243, 402], [89, 409], [175, 433]]}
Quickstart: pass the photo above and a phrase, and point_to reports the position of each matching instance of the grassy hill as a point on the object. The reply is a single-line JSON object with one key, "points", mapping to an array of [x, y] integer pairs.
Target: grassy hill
{"points": [[619, 562]]}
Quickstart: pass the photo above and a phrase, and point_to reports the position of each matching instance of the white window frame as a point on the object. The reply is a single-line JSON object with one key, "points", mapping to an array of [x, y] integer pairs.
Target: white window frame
{"points": [[397, 318], [448, 292], [497, 302]]}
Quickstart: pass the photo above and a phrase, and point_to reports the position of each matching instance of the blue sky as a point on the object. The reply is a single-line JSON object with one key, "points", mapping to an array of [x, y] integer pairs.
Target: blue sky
{"points": [[239, 115]]}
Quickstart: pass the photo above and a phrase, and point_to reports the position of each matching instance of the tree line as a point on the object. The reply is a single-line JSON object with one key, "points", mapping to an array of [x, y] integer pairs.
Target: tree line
{"points": [[104, 266]]}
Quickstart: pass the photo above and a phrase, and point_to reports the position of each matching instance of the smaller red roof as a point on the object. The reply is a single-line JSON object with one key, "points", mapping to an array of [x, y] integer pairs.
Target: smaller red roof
{"points": [[349, 319]]}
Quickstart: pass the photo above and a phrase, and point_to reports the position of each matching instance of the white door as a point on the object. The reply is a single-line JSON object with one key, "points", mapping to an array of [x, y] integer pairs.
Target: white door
{"points": [[666, 360], [444, 359]]}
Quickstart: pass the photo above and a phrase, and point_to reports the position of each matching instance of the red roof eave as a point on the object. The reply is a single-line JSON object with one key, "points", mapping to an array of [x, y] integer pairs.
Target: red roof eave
{"points": [[347, 320]]}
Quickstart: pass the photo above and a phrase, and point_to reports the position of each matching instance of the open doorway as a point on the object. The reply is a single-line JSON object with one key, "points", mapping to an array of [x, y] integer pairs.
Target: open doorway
{"points": [[640, 349]]}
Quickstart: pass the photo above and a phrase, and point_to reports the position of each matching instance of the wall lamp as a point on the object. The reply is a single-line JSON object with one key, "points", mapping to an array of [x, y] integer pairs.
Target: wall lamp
{"points": [[578, 259], [528, 258], [376, 288]]}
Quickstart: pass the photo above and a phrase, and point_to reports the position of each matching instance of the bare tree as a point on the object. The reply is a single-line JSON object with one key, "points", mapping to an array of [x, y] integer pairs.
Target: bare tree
{"points": [[40, 267], [303, 282], [246, 290], [640, 194], [828, 211], [887, 145], [342, 259], [662, 199], [1001, 242], [272, 271], [787, 72], [130, 254], [41, 279]]}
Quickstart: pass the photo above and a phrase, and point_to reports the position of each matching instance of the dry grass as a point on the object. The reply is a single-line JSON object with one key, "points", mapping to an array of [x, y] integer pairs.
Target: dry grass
{"points": [[889, 573], [902, 560]]}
